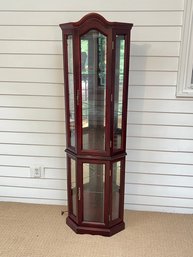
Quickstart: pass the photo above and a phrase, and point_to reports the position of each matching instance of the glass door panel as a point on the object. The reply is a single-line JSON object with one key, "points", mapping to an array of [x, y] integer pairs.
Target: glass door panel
{"points": [[118, 91], [93, 192], [116, 189], [73, 186], [93, 87], [71, 90]]}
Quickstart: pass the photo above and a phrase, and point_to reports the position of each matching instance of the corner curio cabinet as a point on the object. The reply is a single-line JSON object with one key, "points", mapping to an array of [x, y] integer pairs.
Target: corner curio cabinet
{"points": [[96, 67]]}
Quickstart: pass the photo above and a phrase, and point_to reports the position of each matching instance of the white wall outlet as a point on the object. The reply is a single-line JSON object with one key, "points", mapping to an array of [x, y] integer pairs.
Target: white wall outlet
{"points": [[37, 171]]}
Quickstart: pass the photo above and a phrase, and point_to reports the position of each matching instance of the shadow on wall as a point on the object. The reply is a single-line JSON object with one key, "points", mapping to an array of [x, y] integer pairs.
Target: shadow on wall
{"points": [[138, 61], [137, 80], [137, 90]]}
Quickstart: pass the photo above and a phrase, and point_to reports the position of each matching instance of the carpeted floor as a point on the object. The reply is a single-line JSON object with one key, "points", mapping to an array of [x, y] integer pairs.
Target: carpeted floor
{"points": [[28, 230]]}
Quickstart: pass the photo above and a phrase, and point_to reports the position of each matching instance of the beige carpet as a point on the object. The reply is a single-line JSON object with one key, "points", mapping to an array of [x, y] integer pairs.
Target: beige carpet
{"points": [[28, 230]]}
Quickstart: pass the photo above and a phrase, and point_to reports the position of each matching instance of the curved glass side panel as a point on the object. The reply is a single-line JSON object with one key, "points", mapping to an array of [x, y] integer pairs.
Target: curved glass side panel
{"points": [[71, 90], [93, 90], [118, 91], [116, 189], [73, 186]]}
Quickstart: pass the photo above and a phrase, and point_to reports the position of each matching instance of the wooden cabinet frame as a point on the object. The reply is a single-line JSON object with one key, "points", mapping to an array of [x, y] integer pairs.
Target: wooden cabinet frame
{"points": [[95, 142]]}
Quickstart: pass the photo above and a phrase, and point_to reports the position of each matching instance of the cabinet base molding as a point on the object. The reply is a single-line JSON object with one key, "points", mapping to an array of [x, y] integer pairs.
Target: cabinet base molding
{"points": [[79, 229]]}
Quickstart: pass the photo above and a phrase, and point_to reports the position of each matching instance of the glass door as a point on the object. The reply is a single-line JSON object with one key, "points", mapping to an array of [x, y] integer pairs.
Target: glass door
{"points": [[93, 192], [72, 187], [93, 47], [118, 93], [116, 183], [71, 107], [117, 191]]}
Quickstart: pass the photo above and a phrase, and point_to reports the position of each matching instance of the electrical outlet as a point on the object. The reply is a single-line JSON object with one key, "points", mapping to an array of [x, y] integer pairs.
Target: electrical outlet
{"points": [[37, 172]]}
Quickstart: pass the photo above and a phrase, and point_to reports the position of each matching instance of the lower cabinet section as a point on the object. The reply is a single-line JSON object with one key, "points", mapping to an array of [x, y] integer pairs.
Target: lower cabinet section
{"points": [[95, 194]]}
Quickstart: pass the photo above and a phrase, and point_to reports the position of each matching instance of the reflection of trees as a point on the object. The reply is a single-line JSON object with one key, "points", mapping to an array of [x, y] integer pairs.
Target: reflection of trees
{"points": [[83, 61]]}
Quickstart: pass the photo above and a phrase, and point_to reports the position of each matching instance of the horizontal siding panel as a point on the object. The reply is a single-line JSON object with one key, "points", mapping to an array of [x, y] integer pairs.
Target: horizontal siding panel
{"points": [[159, 168], [30, 150], [6, 171], [32, 101], [32, 61], [158, 156], [24, 172], [32, 193], [56, 174], [153, 78], [33, 127], [155, 48], [35, 89], [40, 18], [160, 201], [156, 18], [157, 208], [158, 144], [154, 63], [32, 138], [23, 161], [160, 180], [156, 105], [33, 183], [154, 92], [59, 5], [160, 131], [54, 33], [34, 200], [30, 47], [31, 75], [54, 18], [156, 190], [55, 62], [30, 33], [55, 47], [155, 34], [32, 114], [168, 119]]}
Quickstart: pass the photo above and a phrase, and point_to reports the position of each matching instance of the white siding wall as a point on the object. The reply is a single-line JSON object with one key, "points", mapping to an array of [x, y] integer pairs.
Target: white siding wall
{"points": [[160, 127]]}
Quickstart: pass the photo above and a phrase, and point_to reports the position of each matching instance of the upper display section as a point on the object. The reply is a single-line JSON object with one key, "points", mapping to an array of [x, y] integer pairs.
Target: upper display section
{"points": [[96, 69], [95, 17]]}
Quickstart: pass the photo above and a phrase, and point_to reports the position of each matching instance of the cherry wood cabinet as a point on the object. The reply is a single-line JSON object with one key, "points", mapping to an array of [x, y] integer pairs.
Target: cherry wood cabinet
{"points": [[96, 71]]}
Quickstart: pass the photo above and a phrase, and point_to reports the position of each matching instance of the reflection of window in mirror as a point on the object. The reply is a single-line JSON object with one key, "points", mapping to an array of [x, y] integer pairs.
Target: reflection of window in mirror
{"points": [[185, 77]]}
